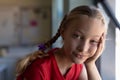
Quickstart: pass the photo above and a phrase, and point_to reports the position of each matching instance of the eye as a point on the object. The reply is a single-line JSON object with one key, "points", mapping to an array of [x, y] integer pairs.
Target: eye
{"points": [[94, 42], [76, 36]]}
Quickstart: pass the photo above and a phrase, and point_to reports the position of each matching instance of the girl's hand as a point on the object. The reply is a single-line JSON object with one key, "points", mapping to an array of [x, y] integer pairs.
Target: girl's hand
{"points": [[98, 51]]}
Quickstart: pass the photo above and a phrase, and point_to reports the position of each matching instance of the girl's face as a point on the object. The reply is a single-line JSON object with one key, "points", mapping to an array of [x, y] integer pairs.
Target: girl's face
{"points": [[81, 38]]}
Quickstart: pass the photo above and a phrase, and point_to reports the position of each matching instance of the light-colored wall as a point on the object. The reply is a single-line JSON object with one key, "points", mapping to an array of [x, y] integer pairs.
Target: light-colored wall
{"points": [[18, 19], [75, 3], [14, 53], [25, 2]]}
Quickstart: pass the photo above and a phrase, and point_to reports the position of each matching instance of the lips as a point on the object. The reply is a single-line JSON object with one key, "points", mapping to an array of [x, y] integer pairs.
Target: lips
{"points": [[79, 55]]}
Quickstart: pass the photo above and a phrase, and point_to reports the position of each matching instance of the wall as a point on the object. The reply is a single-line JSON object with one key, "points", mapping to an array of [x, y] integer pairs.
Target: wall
{"points": [[25, 2], [17, 17], [57, 15], [74, 3], [16, 52]]}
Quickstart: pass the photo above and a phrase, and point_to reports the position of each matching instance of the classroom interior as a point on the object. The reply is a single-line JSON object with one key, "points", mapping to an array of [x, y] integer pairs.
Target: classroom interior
{"points": [[24, 24]]}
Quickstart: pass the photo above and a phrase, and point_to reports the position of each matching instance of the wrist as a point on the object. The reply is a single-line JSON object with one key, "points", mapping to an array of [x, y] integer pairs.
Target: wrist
{"points": [[90, 63]]}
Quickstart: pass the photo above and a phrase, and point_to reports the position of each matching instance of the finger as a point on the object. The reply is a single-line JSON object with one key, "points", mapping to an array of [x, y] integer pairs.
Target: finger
{"points": [[100, 46], [102, 41]]}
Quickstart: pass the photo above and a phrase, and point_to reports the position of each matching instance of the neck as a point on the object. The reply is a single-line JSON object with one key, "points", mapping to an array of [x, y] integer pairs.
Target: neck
{"points": [[63, 62]]}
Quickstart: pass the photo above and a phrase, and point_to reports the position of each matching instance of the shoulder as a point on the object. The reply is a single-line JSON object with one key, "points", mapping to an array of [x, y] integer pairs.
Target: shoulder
{"points": [[41, 64], [46, 60], [38, 68], [43, 61]]}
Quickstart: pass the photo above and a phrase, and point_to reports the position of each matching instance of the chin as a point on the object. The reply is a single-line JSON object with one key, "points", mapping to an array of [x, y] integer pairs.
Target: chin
{"points": [[79, 61]]}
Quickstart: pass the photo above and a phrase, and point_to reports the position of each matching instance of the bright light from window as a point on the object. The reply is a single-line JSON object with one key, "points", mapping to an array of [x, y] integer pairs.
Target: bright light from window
{"points": [[117, 54], [117, 10], [117, 41]]}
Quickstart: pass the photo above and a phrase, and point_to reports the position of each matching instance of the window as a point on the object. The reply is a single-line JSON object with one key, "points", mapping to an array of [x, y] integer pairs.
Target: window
{"points": [[112, 9], [117, 14]]}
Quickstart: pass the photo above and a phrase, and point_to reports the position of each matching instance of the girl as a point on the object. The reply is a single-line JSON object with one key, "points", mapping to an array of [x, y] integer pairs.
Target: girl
{"points": [[83, 31]]}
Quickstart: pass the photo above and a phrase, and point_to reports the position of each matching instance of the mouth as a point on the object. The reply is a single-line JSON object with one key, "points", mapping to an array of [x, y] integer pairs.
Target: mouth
{"points": [[80, 56]]}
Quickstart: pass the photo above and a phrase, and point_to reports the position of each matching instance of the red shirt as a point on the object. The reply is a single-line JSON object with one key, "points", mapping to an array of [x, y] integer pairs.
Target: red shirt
{"points": [[47, 69]]}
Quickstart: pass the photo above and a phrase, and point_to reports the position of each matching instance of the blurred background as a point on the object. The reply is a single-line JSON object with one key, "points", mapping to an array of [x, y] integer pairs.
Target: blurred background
{"points": [[26, 23]]}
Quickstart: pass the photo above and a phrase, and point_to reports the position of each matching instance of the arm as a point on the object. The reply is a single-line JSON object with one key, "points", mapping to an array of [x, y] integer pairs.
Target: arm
{"points": [[90, 65], [83, 75], [92, 72]]}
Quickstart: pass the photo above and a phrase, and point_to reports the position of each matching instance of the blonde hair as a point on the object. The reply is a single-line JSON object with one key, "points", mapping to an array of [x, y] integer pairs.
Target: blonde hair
{"points": [[81, 10]]}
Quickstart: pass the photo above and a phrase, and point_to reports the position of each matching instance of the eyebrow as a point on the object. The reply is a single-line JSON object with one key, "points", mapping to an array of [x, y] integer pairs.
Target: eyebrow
{"points": [[82, 32], [96, 36]]}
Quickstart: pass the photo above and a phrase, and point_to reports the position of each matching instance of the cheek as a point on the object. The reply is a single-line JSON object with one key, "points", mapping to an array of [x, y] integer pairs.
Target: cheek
{"points": [[70, 46], [92, 51]]}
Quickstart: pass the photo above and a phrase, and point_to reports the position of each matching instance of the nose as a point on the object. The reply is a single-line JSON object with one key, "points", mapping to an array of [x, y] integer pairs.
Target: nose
{"points": [[83, 46]]}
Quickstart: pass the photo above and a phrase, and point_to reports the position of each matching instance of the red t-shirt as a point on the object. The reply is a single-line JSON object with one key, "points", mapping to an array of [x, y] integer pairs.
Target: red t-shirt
{"points": [[47, 69]]}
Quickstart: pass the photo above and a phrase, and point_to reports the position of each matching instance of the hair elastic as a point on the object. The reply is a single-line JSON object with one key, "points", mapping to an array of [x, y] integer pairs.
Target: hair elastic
{"points": [[42, 47]]}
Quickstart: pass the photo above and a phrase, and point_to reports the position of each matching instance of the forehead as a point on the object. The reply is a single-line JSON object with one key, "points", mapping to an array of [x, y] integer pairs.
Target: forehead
{"points": [[87, 25]]}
